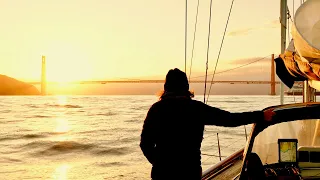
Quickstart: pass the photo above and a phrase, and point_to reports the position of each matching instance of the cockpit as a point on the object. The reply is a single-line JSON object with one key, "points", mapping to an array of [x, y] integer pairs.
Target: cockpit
{"points": [[286, 150], [294, 162]]}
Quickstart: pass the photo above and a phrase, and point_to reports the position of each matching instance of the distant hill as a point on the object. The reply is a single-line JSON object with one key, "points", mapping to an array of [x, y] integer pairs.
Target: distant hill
{"points": [[11, 86]]}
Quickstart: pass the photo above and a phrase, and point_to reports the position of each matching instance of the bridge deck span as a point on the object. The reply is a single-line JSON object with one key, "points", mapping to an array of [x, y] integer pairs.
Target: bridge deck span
{"points": [[161, 81]]}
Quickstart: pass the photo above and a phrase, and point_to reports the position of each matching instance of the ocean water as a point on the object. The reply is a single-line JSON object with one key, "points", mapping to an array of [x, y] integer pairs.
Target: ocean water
{"points": [[97, 137]]}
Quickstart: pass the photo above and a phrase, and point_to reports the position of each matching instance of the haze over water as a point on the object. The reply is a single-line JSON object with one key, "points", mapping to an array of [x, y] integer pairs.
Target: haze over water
{"points": [[97, 137]]}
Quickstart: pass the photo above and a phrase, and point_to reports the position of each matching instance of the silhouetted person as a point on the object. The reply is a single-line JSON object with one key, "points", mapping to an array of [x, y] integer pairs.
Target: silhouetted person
{"points": [[173, 129]]}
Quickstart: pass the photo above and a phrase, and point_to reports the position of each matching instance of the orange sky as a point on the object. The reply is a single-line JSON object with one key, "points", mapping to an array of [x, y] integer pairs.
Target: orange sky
{"points": [[107, 39]]}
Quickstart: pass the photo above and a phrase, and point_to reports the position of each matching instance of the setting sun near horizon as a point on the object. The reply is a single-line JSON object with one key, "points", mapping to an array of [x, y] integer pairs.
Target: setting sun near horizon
{"points": [[107, 40]]}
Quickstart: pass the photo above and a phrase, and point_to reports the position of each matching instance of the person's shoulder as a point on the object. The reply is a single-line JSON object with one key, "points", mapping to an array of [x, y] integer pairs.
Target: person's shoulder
{"points": [[156, 105], [196, 102]]}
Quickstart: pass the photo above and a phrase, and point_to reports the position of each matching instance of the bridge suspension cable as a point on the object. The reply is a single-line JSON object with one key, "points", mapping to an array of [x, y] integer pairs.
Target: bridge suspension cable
{"points": [[233, 68]]}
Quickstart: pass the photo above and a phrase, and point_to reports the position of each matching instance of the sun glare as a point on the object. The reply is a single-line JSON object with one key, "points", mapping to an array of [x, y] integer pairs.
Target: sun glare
{"points": [[66, 62], [62, 100], [62, 126], [61, 172]]}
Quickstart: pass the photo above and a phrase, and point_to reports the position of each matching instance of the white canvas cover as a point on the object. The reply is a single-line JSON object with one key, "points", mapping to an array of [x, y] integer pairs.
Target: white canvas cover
{"points": [[306, 34], [302, 57], [306, 31]]}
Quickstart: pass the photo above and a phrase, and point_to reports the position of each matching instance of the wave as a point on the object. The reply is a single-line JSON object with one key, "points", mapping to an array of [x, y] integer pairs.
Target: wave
{"points": [[229, 101], [111, 164], [237, 132], [5, 111], [140, 107], [33, 136], [106, 114], [7, 138], [57, 148], [55, 105], [63, 106], [47, 148], [130, 139], [27, 136], [69, 145], [32, 106], [133, 120], [39, 116], [5, 159], [14, 121], [112, 151]]}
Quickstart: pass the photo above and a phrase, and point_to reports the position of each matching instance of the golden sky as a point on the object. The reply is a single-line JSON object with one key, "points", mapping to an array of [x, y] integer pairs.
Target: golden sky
{"points": [[110, 39]]}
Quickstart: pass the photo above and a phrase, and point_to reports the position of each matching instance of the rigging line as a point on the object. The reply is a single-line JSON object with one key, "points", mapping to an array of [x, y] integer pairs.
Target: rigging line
{"points": [[194, 38], [208, 47], [185, 37], [225, 29], [235, 67]]}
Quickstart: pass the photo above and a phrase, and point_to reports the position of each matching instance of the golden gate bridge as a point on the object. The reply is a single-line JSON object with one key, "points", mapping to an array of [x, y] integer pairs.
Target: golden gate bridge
{"points": [[160, 81], [272, 81]]}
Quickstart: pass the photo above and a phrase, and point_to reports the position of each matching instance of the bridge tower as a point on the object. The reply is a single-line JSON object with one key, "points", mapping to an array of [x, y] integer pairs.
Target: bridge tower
{"points": [[273, 78], [43, 76]]}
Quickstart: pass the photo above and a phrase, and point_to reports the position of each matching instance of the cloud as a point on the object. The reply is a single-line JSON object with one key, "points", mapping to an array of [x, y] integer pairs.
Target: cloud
{"points": [[272, 24], [241, 32]]}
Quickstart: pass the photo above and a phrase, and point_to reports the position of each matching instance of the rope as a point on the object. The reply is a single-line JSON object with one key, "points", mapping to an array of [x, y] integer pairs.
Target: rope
{"points": [[208, 47], [185, 37], [235, 67], [225, 29], [194, 37]]}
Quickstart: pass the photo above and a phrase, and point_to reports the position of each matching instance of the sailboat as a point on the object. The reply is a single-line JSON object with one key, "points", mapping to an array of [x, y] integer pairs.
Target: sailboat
{"points": [[288, 147]]}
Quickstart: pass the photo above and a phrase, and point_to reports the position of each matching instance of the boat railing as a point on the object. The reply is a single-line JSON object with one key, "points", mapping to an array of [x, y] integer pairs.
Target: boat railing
{"points": [[222, 165]]}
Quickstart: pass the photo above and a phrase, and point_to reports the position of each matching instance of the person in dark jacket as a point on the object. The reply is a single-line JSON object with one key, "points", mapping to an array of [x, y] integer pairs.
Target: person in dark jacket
{"points": [[173, 129]]}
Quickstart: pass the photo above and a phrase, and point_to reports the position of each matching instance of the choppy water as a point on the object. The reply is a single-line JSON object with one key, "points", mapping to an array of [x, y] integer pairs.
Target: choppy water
{"points": [[97, 137]]}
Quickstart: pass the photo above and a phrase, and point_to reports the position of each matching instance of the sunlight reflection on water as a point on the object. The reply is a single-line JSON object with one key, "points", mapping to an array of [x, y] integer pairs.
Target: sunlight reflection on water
{"points": [[62, 100], [97, 137], [61, 172], [62, 125]]}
